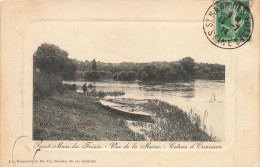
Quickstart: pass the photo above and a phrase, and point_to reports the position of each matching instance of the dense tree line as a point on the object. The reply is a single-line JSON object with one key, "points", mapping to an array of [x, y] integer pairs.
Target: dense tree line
{"points": [[184, 69], [209, 71], [50, 59]]}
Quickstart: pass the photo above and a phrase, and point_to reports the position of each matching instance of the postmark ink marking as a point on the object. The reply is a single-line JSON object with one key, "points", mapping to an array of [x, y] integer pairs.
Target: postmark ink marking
{"points": [[228, 24]]}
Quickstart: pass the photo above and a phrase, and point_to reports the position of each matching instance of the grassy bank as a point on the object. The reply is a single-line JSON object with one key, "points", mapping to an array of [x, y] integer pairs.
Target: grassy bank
{"points": [[73, 116], [173, 124]]}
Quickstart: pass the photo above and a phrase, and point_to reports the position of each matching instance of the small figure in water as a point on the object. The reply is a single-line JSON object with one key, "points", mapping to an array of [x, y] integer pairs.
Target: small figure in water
{"points": [[85, 88]]}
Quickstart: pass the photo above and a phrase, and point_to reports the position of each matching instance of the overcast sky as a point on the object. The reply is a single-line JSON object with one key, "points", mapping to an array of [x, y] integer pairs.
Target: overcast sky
{"points": [[128, 41]]}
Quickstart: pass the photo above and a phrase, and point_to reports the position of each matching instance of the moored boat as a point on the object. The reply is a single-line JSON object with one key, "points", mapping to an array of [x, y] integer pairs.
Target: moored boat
{"points": [[124, 107]]}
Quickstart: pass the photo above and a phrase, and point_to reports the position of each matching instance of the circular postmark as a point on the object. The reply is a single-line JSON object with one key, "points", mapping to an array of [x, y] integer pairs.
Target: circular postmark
{"points": [[228, 24]]}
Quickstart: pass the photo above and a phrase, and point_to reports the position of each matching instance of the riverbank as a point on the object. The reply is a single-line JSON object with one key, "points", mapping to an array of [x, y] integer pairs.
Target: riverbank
{"points": [[74, 116], [173, 124]]}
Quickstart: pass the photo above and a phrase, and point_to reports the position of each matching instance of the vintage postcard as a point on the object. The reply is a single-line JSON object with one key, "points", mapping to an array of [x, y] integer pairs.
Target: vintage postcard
{"points": [[130, 83]]}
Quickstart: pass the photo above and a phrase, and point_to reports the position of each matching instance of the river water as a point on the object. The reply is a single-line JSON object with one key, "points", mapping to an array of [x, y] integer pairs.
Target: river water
{"points": [[200, 95]]}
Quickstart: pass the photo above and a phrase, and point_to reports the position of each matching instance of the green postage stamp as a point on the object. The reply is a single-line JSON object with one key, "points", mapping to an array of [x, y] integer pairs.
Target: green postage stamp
{"points": [[228, 24]]}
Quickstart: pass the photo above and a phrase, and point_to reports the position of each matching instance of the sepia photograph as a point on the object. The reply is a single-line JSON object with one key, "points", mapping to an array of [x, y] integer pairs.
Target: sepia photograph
{"points": [[113, 82], [129, 83]]}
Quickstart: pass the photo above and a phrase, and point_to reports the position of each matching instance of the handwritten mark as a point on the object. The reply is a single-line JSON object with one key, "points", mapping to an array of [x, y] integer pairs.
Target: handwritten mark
{"points": [[35, 155], [13, 162]]}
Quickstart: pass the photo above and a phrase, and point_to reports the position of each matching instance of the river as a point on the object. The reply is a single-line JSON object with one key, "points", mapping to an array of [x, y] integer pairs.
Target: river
{"points": [[200, 95]]}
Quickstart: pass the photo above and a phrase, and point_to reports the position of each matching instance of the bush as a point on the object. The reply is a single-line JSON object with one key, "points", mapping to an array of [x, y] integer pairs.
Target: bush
{"points": [[69, 87], [101, 94], [114, 93], [45, 85]]}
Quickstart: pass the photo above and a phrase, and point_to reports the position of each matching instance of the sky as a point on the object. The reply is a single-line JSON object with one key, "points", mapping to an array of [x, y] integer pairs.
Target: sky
{"points": [[126, 41]]}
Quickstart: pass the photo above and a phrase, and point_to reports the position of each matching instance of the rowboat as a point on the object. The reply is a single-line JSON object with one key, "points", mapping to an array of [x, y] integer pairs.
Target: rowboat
{"points": [[122, 108]]}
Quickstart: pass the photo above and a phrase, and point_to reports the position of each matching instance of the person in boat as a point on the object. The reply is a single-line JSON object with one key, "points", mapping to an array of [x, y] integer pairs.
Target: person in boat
{"points": [[85, 88]]}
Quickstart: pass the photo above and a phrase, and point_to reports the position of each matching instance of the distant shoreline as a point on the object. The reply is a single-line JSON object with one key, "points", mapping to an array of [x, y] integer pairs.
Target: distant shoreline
{"points": [[144, 82]]}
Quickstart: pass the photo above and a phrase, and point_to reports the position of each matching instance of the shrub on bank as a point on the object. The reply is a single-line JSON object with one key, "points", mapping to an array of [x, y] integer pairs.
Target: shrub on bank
{"points": [[115, 93], [102, 94], [45, 85], [69, 87]]}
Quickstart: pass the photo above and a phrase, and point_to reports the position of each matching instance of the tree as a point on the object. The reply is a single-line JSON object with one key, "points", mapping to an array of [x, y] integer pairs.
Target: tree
{"points": [[162, 73], [94, 65], [69, 73], [150, 70], [144, 76], [92, 76], [181, 73], [130, 76], [50, 59], [171, 75], [121, 76], [115, 76], [188, 65]]}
